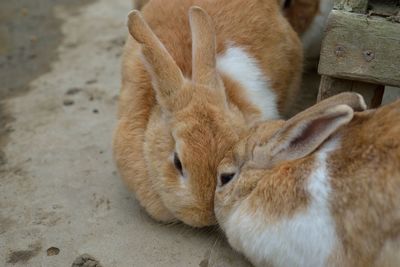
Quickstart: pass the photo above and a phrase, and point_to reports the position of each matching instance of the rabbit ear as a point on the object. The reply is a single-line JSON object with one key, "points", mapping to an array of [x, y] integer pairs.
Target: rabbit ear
{"points": [[301, 135], [353, 100], [166, 75], [204, 48]]}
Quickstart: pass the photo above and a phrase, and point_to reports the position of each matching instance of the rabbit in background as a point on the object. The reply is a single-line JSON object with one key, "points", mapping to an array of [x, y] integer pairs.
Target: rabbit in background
{"points": [[321, 189], [193, 80], [307, 17]]}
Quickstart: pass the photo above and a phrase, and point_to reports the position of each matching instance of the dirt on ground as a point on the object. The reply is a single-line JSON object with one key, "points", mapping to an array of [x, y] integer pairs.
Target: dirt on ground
{"points": [[61, 200]]}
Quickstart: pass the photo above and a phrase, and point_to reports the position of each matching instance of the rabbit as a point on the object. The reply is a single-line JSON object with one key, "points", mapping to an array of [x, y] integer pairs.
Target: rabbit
{"points": [[308, 18], [321, 189], [194, 79]]}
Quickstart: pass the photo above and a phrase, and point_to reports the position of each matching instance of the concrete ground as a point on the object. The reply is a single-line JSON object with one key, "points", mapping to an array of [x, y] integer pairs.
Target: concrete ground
{"points": [[60, 196]]}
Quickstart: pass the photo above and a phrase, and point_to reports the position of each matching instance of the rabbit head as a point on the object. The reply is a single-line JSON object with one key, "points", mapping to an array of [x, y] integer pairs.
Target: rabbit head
{"points": [[273, 144], [194, 126]]}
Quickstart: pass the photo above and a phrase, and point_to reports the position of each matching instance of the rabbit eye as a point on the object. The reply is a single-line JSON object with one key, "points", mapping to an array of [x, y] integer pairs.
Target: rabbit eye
{"points": [[287, 4], [226, 178], [178, 163]]}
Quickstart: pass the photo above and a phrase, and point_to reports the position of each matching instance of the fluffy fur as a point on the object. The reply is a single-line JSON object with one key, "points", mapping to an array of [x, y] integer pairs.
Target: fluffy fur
{"points": [[174, 99], [244, 70], [312, 35], [305, 239], [307, 17], [337, 205]]}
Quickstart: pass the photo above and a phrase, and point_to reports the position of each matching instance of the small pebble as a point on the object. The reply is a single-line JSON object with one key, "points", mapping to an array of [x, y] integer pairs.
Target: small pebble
{"points": [[95, 111], [68, 102], [86, 260], [91, 81], [73, 91], [24, 12], [34, 38], [53, 251]]}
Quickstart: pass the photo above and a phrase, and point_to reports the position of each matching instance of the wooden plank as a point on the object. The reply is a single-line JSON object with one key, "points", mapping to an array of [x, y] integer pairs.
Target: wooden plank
{"points": [[358, 6], [330, 86], [356, 47], [384, 8], [372, 93]]}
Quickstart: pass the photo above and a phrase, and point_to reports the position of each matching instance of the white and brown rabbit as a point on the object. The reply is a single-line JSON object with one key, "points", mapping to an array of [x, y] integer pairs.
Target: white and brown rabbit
{"points": [[308, 18], [321, 189], [193, 82]]}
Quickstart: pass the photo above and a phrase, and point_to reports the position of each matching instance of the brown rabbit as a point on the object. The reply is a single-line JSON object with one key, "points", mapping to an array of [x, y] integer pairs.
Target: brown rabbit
{"points": [[307, 17], [190, 91], [321, 189]]}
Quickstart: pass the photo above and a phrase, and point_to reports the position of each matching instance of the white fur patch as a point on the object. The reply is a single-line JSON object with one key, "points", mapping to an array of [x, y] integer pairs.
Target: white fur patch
{"points": [[313, 36], [306, 239], [244, 69]]}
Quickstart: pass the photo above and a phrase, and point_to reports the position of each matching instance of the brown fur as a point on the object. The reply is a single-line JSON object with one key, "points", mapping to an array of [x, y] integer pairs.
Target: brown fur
{"points": [[338, 110], [281, 188], [366, 184], [300, 13], [258, 27], [364, 176], [201, 122]]}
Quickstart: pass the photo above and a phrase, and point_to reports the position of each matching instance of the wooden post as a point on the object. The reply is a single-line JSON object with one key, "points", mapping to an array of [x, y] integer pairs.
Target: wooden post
{"points": [[359, 48], [330, 86], [358, 6]]}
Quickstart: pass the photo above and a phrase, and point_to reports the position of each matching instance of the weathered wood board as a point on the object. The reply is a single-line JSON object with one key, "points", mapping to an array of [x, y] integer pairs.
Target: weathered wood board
{"points": [[381, 7], [372, 93], [384, 7], [358, 6], [362, 48]]}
